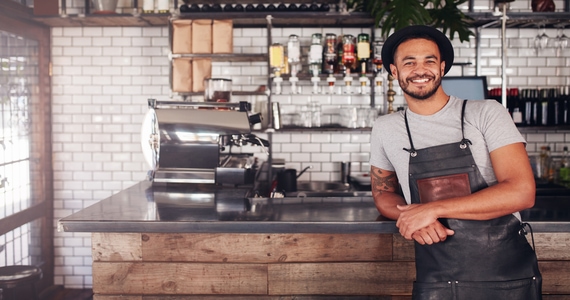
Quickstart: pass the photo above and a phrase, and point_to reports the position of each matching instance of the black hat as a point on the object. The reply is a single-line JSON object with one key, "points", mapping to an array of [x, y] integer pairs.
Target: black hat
{"points": [[393, 41]]}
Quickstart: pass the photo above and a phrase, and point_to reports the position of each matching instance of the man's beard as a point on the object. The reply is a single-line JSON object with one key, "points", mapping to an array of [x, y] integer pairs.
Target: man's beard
{"points": [[421, 94]]}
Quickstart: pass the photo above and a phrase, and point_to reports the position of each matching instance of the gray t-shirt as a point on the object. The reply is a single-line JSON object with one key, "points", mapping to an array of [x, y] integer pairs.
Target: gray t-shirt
{"points": [[488, 126]]}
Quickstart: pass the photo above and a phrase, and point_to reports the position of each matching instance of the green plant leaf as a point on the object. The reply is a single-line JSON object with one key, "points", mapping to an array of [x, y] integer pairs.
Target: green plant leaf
{"points": [[397, 14], [450, 18]]}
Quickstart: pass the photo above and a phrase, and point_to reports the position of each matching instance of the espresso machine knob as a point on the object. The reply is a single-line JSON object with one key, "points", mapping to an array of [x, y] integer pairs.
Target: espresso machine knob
{"points": [[255, 119]]}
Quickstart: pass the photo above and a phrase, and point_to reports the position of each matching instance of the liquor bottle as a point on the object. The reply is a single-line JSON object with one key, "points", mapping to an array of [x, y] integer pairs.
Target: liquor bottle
{"points": [[294, 59], [527, 106], [163, 6], [377, 55], [348, 51], [315, 60], [363, 52], [348, 60], [148, 6], [315, 54], [555, 107], [340, 68], [277, 63], [329, 55], [564, 171], [565, 102], [543, 107]]}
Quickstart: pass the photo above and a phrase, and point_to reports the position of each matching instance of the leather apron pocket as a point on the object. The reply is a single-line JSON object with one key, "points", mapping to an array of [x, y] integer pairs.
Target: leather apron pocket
{"points": [[520, 289]]}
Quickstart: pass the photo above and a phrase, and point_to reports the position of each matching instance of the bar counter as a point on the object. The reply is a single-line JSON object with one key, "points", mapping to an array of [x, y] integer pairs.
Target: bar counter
{"points": [[207, 242], [213, 209]]}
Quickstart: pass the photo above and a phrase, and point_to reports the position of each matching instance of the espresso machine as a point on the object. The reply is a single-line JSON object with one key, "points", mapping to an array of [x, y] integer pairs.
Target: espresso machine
{"points": [[192, 142]]}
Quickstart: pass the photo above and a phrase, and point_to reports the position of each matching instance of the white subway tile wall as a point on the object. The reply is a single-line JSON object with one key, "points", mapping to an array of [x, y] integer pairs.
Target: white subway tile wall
{"points": [[102, 78]]}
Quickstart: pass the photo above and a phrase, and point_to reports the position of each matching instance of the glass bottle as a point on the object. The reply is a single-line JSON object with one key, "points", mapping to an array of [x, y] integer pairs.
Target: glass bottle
{"points": [[315, 60], [163, 6], [148, 6], [315, 54], [348, 52], [330, 58], [348, 60], [363, 53], [377, 55], [294, 54], [329, 53], [544, 172], [564, 171], [277, 64]]}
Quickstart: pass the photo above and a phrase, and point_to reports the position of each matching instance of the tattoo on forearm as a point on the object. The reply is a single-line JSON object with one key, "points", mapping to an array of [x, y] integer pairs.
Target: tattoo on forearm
{"points": [[381, 183]]}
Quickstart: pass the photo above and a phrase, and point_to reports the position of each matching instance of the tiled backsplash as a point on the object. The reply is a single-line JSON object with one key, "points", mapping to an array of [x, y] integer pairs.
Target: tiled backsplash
{"points": [[102, 78]]}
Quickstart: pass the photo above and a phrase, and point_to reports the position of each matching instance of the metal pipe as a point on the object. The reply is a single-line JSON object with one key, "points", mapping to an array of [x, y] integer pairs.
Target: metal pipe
{"points": [[269, 107], [504, 56], [478, 51]]}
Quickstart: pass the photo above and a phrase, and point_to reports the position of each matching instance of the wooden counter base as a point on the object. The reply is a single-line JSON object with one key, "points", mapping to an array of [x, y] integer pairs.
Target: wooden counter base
{"points": [[266, 266]]}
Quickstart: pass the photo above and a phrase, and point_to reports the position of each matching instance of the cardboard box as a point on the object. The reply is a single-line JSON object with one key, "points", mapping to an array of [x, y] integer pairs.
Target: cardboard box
{"points": [[182, 36], [202, 36], [222, 36], [182, 75], [201, 69]]}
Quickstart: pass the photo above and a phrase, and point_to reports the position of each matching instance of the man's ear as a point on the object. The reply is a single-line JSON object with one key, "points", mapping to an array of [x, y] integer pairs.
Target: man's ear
{"points": [[442, 67], [394, 70]]}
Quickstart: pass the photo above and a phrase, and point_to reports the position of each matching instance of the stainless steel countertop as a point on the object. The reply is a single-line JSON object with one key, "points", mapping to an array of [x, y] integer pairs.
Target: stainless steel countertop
{"points": [[212, 209]]}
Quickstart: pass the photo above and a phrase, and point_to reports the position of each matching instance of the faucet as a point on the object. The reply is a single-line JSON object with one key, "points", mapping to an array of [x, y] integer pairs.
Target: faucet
{"points": [[303, 171]]}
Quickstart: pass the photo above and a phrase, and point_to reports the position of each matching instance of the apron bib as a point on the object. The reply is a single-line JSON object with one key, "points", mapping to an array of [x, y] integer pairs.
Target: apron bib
{"points": [[483, 260]]}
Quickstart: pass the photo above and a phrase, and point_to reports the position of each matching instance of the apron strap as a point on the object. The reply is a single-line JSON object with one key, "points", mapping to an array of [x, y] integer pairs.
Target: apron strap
{"points": [[462, 145], [464, 141], [412, 150]]}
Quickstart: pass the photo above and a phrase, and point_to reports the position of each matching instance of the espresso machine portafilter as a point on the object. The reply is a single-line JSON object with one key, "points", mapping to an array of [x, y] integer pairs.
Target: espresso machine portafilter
{"points": [[186, 142]]}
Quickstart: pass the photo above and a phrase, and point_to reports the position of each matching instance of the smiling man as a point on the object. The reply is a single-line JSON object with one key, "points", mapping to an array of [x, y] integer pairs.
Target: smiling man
{"points": [[454, 174]]}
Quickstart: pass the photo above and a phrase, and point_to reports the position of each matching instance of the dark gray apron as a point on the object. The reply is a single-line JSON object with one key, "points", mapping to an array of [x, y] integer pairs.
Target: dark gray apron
{"points": [[483, 260]]}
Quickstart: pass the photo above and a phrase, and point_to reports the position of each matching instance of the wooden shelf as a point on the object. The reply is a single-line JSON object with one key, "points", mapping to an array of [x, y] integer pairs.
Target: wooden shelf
{"points": [[231, 57]]}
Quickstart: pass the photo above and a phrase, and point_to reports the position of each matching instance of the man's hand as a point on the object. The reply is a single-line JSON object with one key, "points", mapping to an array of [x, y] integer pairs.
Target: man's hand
{"points": [[418, 219], [433, 233]]}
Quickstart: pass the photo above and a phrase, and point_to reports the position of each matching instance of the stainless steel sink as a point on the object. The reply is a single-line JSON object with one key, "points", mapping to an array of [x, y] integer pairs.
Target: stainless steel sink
{"points": [[324, 194], [325, 189], [321, 186]]}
